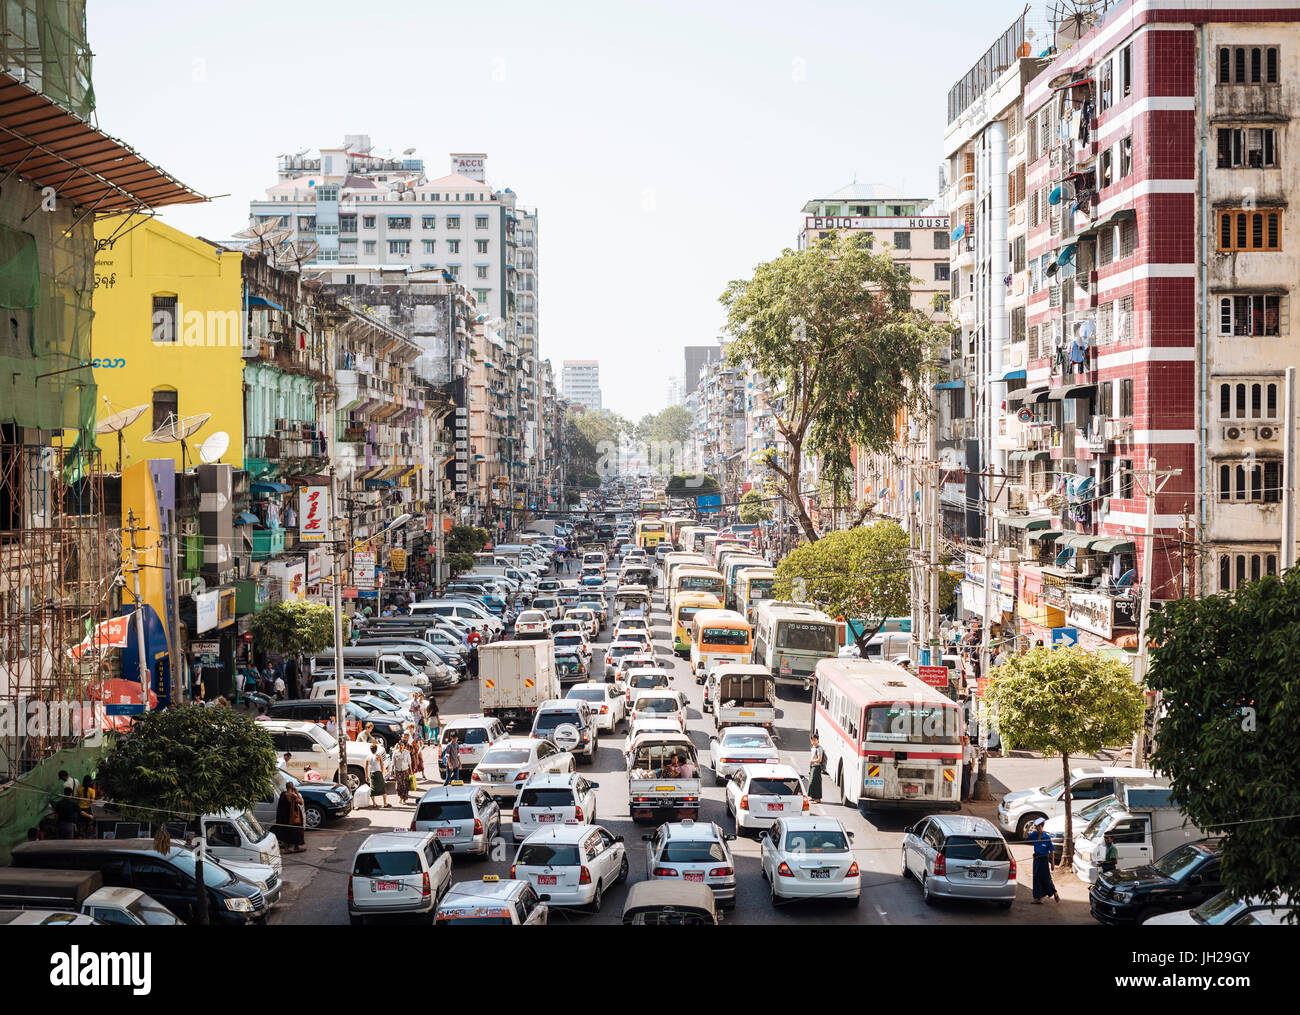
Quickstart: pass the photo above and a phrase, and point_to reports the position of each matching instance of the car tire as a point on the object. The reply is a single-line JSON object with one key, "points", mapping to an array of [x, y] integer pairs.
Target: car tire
{"points": [[357, 921], [1023, 825], [927, 896], [313, 816], [597, 898], [1004, 905], [623, 871], [854, 902], [773, 899]]}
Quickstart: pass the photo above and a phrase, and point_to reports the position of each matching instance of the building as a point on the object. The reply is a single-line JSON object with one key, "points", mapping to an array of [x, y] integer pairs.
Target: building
{"points": [[580, 382], [695, 359], [676, 394]]}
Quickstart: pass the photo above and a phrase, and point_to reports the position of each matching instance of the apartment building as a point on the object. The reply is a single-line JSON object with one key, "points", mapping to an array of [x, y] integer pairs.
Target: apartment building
{"points": [[580, 382]]}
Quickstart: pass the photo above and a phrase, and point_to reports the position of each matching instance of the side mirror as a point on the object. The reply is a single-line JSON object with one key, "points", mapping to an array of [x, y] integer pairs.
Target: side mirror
{"points": [[544, 898], [647, 838], [618, 838], [594, 785], [906, 831], [731, 836]]}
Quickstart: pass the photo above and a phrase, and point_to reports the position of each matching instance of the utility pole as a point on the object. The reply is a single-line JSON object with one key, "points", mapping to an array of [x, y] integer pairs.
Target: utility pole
{"points": [[438, 541], [988, 496], [339, 688], [932, 523], [178, 658], [1288, 555], [143, 663], [1153, 482]]}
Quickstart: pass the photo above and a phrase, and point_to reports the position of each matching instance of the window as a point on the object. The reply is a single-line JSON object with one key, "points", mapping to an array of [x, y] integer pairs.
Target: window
{"points": [[166, 328], [902, 241], [1106, 98], [1044, 132], [1017, 324], [1017, 255], [1125, 397], [1033, 210], [1251, 480], [368, 221], [941, 273], [1124, 479], [306, 223], [1124, 329], [941, 240], [400, 247], [327, 193], [1242, 400], [1247, 147], [481, 295], [480, 221], [482, 270], [453, 221], [1240, 229], [1127, 238], [430, 246], [1234, 568], [1105, 326], [1105, 404], [453, 246], [1106, 246], [399, 221], [1031, 349], [1126, 70], [1126, 157], [1107, 174], [481, 246], [347, 223], [428, 221], [166, 405], [1250, 315], [1256, 66], [368, 246], [453, 270]]}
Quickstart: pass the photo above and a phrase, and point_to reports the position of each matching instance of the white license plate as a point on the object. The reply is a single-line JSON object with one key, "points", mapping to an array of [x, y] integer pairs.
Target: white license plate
{"points": [[694, 875], [388, 886], [977, 873], [821, 874], [496, 777], [446, 833], [785, 671]]}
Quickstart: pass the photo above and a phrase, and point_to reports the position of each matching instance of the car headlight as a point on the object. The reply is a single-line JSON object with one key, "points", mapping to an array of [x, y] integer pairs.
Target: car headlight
{"points": [[264, 858], [239, 905], [1124, 895], [333, 797]]}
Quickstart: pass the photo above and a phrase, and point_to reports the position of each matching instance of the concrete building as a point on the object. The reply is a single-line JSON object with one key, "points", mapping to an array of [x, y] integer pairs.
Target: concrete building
{"points": [[696, 358], [580, 382]]}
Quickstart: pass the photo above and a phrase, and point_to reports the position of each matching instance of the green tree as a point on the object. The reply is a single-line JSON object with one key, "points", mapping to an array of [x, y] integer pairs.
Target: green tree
{"points": [[1226, 667], [295, 628], [754, 508], [187, 761], [857, 574], [833, 328], [466, 539], [692, 485], [459, 563], [1065, 701]]}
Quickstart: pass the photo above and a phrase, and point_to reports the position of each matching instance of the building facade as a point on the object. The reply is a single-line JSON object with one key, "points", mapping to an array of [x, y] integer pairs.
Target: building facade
{"points": [[580, 382]]}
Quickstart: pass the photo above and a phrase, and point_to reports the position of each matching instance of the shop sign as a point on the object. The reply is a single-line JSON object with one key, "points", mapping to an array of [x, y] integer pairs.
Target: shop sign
{"points": [[207, 607], [1091, 612]]}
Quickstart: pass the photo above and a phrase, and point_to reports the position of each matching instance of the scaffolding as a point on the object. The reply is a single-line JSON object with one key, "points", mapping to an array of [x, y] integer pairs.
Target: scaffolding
{"points": [[58, 562]]}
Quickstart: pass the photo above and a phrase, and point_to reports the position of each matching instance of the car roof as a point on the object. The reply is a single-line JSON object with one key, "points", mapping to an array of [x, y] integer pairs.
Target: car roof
{"points": [[564, 703], [747, 730], [561, 833], [471, 721], [769, 768], [698, 831], [552, 779], [464, 893], [813, 823], [516, 742], [965, 824], [449, 793], [384, 842]]}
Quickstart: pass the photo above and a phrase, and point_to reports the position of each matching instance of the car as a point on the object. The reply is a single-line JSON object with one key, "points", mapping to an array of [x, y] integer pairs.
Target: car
{"points": [[648, 724], [616, 650], [757, 795], [464, 818], [572, 864], [533, 624], [548, 605], [571, 666], [633, 624], [553, 798], [475, 734], [807, 857], [693, 851], [1017, 811], [570, 724], [959, 856], [508, 763], [1225, 911], [1183, 878], [549, 585], [573, 641], [568, 625], [398, 873], [585, 615], [322, 802], [740, 745], [635, 636], [641, 678], [592, 578], [491, 902], [606, 700], [596, 600], [667, 705]]}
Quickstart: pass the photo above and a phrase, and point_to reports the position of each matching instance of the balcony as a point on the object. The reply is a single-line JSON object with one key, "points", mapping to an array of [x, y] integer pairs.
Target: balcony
{"points": [[267, 543]]}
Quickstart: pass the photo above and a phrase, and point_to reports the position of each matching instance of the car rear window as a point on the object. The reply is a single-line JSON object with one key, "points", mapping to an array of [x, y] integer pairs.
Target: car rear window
{"points": [[397, 864], [509, 756], [650, 680], [659, 706], [585, 694], [975, 847], [693, 852], [548, 854], [771, 786], [816, 841], [551, 720], [621, 650], [568, 639], [543, 796], [467, 735], [444, 810]]}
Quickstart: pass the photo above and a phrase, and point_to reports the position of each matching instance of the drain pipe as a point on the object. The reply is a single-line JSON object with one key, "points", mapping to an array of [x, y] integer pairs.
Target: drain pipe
{"points": [[1202, 407]]}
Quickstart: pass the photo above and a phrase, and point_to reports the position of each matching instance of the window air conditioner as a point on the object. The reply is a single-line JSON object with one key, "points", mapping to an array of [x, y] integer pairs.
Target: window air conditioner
{"points": [[1266, 433]]}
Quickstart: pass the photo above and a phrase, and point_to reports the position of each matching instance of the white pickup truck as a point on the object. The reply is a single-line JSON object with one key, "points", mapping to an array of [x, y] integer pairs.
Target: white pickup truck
{"points": [[743, 695], [651, 793]]}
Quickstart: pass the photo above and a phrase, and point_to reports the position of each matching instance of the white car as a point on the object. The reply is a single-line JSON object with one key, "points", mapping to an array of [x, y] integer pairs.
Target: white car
{"points": [[606, 700], [568, 623], [1224, 911], [630, 666], [809, 858], [757, 795], [553, 798], [651, 724], [398, 873], [509, 763], [623, 633], [741, 745], [697, 851], [1017, 811], [533, 623], [668, 705], [570, 724], [475, 734], [641, 678], [617, 650], [548, 605], [633, 624], [588, 617], [575, 641], [574, 865]]}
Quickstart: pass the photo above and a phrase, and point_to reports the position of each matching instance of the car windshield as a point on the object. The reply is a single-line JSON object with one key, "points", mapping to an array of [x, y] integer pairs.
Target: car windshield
{"points": [[507, 756], [152, 914], [816, 841], [545, 796], [547, 721], [767, 785], [1053, 789], [1102, 818], [1219, 910], [444, 810], [746, 740], [975, 847], [1178, 863], [693, 851], [588, 694], [213, 876], [394, 865], [548, 854], [657, 706], [531, 617]]}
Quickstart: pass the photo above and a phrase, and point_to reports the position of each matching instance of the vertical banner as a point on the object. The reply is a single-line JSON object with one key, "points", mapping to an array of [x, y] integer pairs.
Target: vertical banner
{"points": [[313, 513], [216, 523]]}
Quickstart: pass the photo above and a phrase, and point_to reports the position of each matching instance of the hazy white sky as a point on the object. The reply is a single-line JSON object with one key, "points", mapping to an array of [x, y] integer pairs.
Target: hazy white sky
{"points": [[668, 146]]}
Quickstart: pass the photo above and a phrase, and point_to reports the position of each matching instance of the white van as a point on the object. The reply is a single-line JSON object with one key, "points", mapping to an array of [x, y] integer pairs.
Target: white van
{"points": [[1019, 810], [239, 836], [306, 743], [476, 616]]}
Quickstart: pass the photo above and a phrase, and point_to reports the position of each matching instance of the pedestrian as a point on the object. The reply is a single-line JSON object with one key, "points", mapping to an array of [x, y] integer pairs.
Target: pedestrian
{"points": [[67, 812], [375, 773], [239, 684], [67, 781], [289, 822], [450, 760], [1044, 887], [817, 762], [1109, 858], [402, 769], [332, 727], [967, 766], [279, 687], [471, 663], [433, 719], [417, 753]]}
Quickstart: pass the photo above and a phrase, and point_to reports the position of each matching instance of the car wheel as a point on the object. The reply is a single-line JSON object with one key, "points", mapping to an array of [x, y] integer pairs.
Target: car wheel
{"points": [[623, 870], [1024, 824], [313, 816], [926, 895], [596, 900], [1004, 905], [855, 901], [907, 871], [772, 897], [357, 921]]}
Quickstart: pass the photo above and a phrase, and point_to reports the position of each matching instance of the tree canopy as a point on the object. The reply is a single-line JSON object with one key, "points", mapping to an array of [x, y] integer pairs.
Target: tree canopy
{"points": [[754, 508], [692, 485], [1065, 701], [833, 329], [1226, 668], [466, 539], [295, 628]]}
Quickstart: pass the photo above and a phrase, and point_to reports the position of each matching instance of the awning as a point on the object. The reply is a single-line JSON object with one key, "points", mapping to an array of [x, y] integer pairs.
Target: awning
{"points": [[1018, 395], [53, 147], [1026, 523], [259, 301], [1107, 221], [1049, 535], [310, 479], [1078, 540], [1054, 395], [1014, 375], [370, 472], [372, 483], [1029, 456], [247, 518], [1113, 546], [1081, 391], [949, 384], [268, 486]]}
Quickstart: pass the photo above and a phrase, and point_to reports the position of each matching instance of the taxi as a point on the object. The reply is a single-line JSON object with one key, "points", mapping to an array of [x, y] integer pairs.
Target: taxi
{"points": [[667, 705], [617, 650], [758, 795], [510, 762], [491, 903], [606, 700], [475, 734], [553, 798], [464, 818], [643, 678], [693, 851], [573, 864], [589, 618]]}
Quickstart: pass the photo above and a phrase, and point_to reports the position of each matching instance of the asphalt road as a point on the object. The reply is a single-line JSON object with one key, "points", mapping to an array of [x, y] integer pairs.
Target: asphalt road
{"points": [[317, 880]]}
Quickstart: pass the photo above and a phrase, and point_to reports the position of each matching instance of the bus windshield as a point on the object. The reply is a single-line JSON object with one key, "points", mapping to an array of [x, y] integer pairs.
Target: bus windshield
{"points": [[803, 637], [699, 583], [913, 723], [724, 636], [760, 588], [686, 613]]}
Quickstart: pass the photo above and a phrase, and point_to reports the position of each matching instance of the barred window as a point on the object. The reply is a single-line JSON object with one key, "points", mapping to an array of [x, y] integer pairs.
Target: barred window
{"points": [[1258, 315]]}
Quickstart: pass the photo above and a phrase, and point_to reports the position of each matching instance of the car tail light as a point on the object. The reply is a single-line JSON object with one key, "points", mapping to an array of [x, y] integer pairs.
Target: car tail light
{"points": [[412, 828], [512, 872], [722, 872], [350, 897], [584, 876], [425, 889], [784, 870], [577, 813], [852, 872], [474, 777], [1011, 871], [514, 815], [940, 866], [665, 872], [478, 827], [744, 802], [806, 805], [520, 775], [604, 710]]}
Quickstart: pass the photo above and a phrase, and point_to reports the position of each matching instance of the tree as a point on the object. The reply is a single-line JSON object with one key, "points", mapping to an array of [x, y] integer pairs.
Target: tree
{"points": [[466, 539], [1225, 667], [295, 628], [459, 563], [754, 508], [1065, 701], [187, 761], [855, 574], [833, 329]]}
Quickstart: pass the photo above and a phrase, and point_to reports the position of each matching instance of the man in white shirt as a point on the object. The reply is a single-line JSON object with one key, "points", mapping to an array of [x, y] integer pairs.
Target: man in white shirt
{"points": [[279, 686]]}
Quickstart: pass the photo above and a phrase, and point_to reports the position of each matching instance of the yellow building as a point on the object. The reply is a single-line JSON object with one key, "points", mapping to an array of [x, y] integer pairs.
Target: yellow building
{"points": [[167, 333]]}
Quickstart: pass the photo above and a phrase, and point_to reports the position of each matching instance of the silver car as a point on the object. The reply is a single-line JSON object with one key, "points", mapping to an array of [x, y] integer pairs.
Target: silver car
{"points": [[693, 851], [958, 856]]}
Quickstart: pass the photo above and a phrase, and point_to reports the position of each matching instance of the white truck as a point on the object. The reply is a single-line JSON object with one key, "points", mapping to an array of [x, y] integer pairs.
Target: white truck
{"points": [[515, 677], [741, 695], [1144, 824], [651, 793]]}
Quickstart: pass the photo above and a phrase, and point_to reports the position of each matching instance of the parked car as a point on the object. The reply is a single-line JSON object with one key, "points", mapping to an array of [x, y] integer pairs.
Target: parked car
{"points": [[1183, 878], [1225, 911], [809, 858], [398, 874], [958, 856]]}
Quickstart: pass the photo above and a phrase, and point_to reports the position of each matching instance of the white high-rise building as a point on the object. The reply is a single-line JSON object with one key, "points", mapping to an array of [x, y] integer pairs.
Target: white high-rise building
{"points": [[580, 382], [676, 392]]}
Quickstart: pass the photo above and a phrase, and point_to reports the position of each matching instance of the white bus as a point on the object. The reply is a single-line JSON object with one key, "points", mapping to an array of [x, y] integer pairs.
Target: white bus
{"points": [[891, 740], [791, 638]]}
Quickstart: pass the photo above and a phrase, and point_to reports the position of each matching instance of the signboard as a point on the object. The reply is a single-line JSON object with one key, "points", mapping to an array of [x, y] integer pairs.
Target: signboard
{"points": [[972, 598], [349, 592], [206, 652], [397, 560], [207, 606], [363, 568], [313, 567], [935, 676], [1100, 614], [1064, 637], [313, 519], [292, 576], [899, 222], [708, 505]]}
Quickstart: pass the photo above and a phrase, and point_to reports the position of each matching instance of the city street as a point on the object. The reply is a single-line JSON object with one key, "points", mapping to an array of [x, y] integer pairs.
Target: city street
{"points": [[316, 882]]}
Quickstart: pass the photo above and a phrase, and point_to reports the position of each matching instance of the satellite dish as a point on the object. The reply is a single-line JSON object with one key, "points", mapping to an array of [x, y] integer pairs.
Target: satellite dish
{"points": [[214, 447], [118, 422], [176, 429]]}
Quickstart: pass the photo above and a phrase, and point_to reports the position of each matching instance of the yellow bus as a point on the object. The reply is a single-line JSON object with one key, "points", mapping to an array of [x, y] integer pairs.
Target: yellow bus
{"points": [[650, 532], [753, 585], [695, 578], [673, 561], [652, 508], [675, 525], [718, 635], [688, 605]]}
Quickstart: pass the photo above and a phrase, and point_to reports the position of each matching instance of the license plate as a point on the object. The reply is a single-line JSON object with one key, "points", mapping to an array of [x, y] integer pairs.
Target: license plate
{"points": [[785, 671], [546, 879], [776, 807], [911, 789], [446, 833], [387, 886], [821, 874], [695, 876], [546, 818], [497, 776], [664, 789], [977, 872], [467, 750], [746, 713]]}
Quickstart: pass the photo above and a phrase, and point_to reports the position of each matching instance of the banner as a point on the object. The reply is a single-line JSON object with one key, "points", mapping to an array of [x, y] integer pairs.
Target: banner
{"points": [[313, 518], [112, 633], [207, 607]]}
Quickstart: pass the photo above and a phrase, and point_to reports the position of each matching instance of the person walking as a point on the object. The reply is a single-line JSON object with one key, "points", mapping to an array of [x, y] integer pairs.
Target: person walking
{"points": [[1109, 858], [471, 663], [289, 823], [450, 759], [433, 719], [67, 812], [816, 764], [375, 773], [1044, 887], [417, 750], [402, 768]]}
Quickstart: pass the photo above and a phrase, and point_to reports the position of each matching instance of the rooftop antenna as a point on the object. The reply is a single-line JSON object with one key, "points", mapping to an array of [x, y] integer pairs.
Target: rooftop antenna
{"points": [[118, 422], [176, 429], [265, 236], [299, 252]]}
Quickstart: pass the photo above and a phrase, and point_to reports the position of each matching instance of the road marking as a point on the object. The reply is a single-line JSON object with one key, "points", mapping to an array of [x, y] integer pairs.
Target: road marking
{"points": [[880, 911]]}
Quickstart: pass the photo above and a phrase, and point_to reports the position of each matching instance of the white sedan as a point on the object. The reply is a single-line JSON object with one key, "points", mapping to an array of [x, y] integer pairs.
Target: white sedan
{"points": [[572, 864], [533, 623], [809, 858], [617, 650], [659, 704], [741, 745], [573, 641], [606, 700], [509, 763], [757, 795]]}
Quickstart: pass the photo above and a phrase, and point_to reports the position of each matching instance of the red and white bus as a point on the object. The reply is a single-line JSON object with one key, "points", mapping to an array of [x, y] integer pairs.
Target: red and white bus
{"points": [[891, 740]]}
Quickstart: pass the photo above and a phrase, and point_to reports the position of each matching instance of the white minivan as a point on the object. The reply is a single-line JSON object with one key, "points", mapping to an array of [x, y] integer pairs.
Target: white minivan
{"points": [[1019, 810]]}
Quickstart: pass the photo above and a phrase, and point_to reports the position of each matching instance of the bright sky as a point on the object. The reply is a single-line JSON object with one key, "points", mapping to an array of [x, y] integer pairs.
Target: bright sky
{"points": [[668, 146]]}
